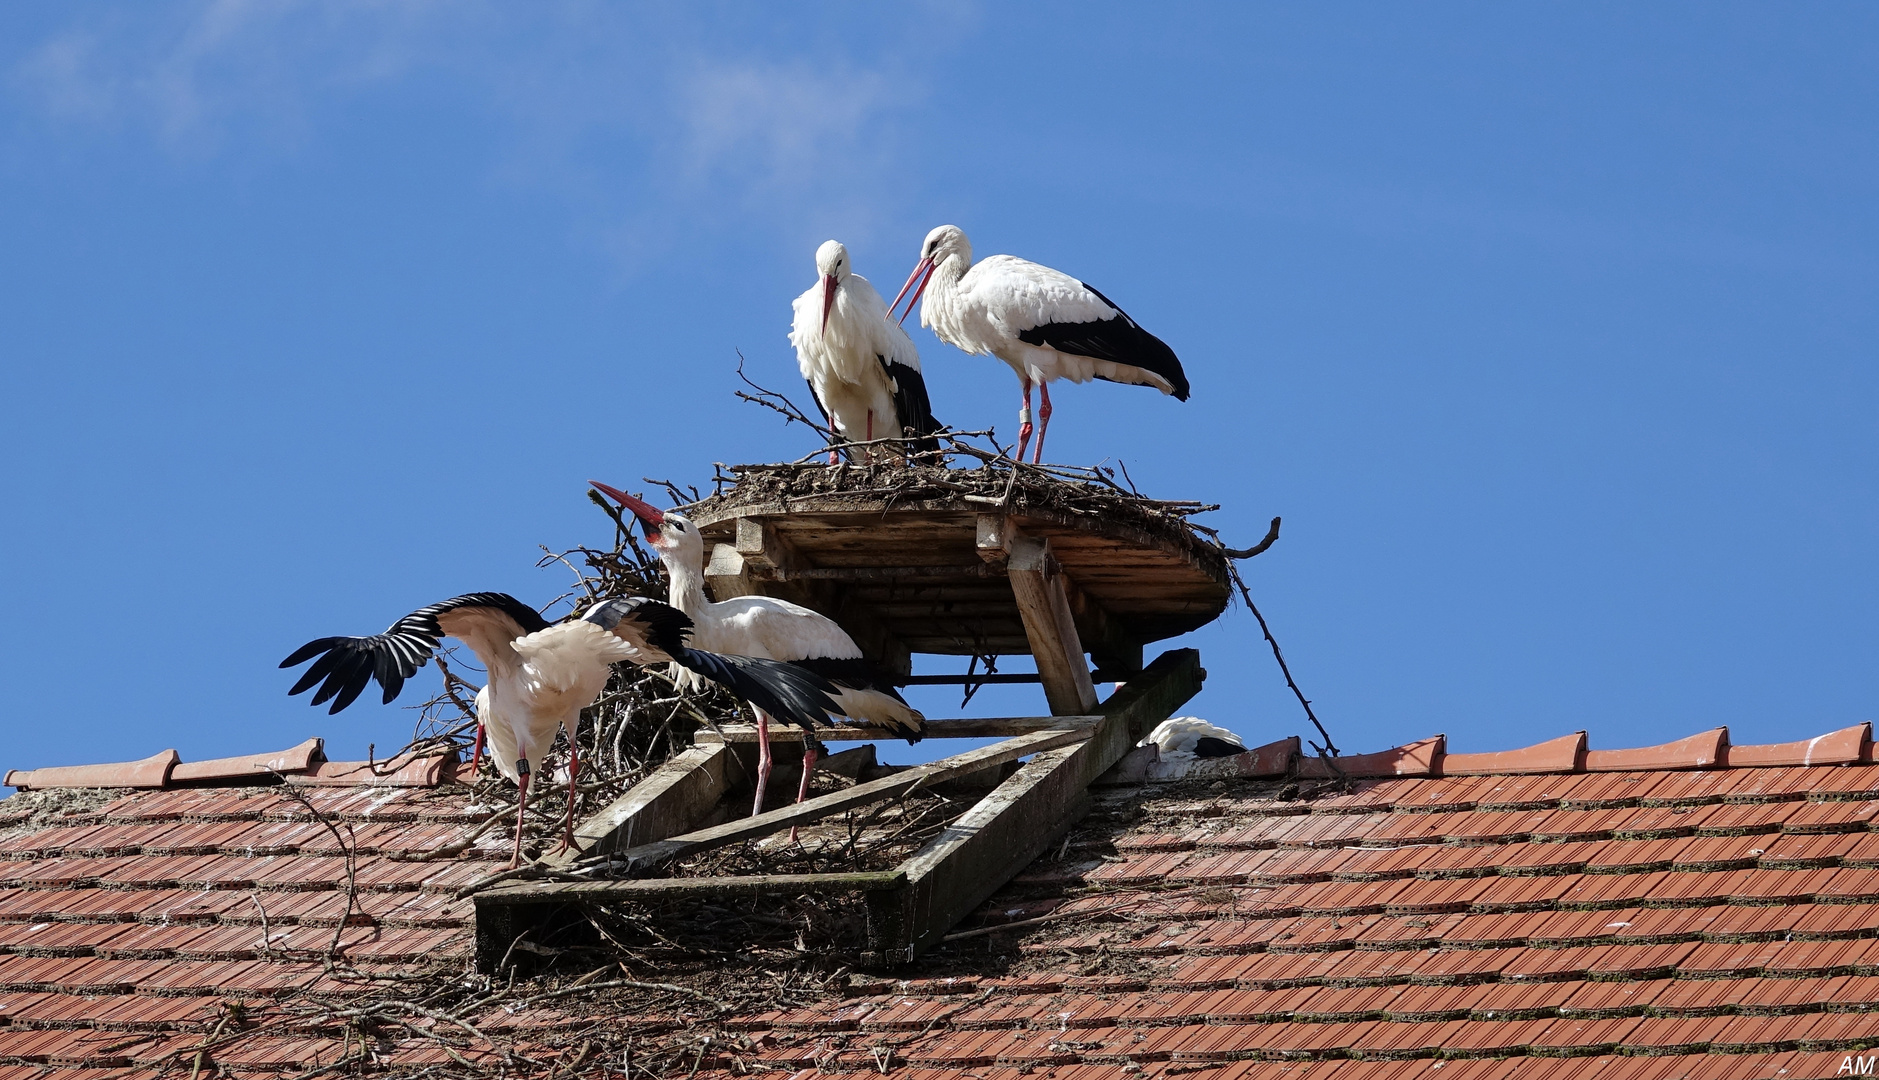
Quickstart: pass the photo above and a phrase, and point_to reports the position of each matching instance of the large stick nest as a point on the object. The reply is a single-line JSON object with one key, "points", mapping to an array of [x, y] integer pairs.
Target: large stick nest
{"points": [[962, 472]]}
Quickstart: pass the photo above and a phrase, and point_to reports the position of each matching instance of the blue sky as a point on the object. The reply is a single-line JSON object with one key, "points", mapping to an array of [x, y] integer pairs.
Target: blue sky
{"points": [[1549, 328]]}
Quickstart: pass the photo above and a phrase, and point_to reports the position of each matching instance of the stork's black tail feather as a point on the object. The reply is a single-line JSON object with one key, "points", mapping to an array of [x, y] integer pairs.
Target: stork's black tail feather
{"points": [[914, 407], [788, 693]]}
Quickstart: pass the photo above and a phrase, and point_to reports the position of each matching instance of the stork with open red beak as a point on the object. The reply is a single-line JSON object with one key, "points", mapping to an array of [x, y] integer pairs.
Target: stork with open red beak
{"points": [[1044, 323], [861, 366], [541, 676], [771, 628]]}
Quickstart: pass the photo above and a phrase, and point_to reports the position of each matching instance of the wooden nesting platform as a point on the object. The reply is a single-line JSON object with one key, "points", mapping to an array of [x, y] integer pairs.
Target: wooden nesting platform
{"points": [[962, 575], [944, 576]]}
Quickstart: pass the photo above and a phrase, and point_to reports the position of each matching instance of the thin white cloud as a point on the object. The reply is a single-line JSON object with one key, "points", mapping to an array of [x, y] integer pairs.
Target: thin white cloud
{"points": [[810, 139]]}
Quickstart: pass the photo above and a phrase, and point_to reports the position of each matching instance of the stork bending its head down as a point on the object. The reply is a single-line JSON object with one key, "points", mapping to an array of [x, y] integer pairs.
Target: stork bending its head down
{"points": [[861, 366], [541, 676], [1044, 323], [776, 629]]}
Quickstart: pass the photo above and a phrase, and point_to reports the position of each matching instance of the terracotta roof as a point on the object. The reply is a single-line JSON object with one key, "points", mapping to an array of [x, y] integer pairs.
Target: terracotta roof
{"points": [[1695, 911], [124, 928]]}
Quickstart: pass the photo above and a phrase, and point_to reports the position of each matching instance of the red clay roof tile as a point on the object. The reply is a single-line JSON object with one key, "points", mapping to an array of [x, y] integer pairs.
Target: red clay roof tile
{"points": [[395, 773], [1612, 997], [1598, 791], [1842, 747], [1418, 758], [1703, 750], [1561, 755], [151, 772], [294, 759]]}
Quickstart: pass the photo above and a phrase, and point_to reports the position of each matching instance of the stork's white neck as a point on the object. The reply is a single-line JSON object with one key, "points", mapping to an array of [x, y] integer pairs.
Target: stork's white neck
{"points": [[939, 312], [688, 583]]}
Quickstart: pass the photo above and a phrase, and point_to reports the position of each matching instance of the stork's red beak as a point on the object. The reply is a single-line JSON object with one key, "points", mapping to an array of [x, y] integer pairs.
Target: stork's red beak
{"points": [[828, 298], [923, 271], [650, 516]]}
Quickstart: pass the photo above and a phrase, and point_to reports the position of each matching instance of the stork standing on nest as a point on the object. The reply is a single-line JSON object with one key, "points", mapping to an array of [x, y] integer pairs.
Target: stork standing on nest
{"points": [[541, 676], [776, 629], [1044, 323], [861, 366]]}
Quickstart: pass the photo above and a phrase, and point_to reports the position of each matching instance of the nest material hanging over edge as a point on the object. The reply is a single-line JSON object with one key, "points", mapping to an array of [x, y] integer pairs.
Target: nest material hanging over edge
{"points": [[994, 484]]}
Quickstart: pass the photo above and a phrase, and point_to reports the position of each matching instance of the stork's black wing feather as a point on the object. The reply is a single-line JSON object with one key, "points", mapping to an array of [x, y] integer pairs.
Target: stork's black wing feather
{"points": [[912, 405], [1119, 340], [787, 692], [345, 665], [790, 693], [858, 673], [650, 622]]}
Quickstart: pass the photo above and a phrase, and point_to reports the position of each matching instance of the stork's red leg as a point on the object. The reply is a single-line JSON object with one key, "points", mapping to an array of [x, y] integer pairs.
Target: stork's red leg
{"points": [[574, 772], [763, 760], [1024, 420], [521, 809], [476, 753], [870, 434], [1043, 420], [808, 766]]}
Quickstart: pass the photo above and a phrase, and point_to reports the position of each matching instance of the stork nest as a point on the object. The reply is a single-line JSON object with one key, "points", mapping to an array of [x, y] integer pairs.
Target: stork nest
{"points": [[960, 474]]}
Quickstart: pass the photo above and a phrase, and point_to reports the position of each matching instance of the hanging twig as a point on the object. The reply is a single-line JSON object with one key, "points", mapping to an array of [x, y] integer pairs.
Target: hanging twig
{"points": [[1329, 749]]}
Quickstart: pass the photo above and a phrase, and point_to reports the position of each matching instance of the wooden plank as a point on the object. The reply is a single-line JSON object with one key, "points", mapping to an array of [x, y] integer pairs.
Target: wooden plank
{"points": [[976, 855], [652, 889], [987, 728], [670, 800], [1038, 584], [887, 572], [996, 677], [816, 809]]}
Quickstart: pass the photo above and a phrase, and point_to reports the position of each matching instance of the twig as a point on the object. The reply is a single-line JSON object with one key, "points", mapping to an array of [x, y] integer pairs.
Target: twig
{"points": [[1272, 535], [1329, 750], [346, 848], [771, 399]]}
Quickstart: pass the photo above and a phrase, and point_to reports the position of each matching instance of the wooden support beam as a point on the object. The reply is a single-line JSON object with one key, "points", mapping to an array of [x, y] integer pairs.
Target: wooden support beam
{"points": [[974, 857], [672, 799], [995, 678], [988, 728], [822, 806], [1042, 592], [567, 892]]}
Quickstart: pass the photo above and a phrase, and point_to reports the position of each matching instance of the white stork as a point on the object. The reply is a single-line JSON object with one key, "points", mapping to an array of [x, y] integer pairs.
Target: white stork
{"points": [[1192, 737], [541, 676], [775, 629], [1044, 323], [861, 366]]}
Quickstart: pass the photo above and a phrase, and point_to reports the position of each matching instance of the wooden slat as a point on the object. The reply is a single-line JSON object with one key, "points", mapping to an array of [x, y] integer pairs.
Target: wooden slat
{"points": [[976, 855], [987, 728], [887, 573], [816, 809], [671, 799], [647, 889]]}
